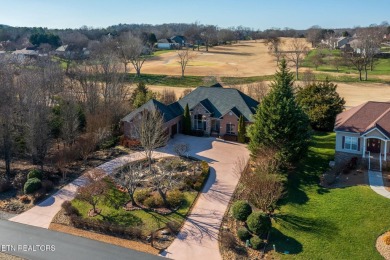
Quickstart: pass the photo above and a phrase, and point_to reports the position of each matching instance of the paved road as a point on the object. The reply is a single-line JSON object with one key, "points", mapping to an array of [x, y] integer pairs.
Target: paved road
{"points": [[198, 238], [20, 240]]}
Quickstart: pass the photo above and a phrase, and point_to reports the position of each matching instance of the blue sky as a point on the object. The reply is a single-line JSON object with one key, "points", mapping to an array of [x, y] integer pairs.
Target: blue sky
{"points": [[256, 14]]}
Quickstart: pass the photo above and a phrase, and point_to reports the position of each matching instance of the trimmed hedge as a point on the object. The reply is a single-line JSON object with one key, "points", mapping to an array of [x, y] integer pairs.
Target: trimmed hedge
{"points": [[32, 185], [241, 210], [256, 242], [243, 234], [202, 179], [35, 174], [259, 223]]}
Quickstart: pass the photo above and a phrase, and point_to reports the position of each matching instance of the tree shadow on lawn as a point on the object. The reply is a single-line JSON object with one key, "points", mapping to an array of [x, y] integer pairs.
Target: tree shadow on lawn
{"points": [[321, 227], [283, 244]]}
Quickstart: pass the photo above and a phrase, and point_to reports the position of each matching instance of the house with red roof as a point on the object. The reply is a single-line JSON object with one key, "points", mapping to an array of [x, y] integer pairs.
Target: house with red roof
{"points": [[364, 131]]}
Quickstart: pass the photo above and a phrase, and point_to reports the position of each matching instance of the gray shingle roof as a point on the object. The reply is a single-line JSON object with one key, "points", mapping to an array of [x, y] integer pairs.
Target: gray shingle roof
{"points": [[223, 100], [216, 99]]}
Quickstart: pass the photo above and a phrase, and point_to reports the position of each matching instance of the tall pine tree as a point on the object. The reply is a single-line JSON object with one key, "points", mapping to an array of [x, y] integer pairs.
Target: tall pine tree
{"points": [[186, 121], [241, 129], [279, 122]]}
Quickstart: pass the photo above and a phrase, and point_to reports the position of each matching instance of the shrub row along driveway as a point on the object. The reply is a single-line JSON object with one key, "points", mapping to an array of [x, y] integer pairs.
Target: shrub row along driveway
{"points": [[198, 238]]}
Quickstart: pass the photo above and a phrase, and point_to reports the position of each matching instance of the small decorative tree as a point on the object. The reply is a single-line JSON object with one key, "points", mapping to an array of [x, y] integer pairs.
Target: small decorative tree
{"points": [[241, 129], [130, 177], [93, 190], [186, 121]]}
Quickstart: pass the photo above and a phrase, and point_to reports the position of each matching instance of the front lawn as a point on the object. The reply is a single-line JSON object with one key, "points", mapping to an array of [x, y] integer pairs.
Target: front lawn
{"points": [[147, 220], [320, 223]]}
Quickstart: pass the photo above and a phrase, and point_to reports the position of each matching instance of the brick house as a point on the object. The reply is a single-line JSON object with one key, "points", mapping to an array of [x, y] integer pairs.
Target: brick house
{"points": [[364, 132], [214, 111]]}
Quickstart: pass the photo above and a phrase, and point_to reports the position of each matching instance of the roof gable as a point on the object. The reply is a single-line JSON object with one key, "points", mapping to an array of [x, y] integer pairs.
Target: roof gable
{"points": [[365, 117]]}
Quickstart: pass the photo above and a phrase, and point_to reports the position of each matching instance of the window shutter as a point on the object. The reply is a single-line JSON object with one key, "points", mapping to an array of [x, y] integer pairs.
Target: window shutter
{"points": [[343, 142], [358, 144]]}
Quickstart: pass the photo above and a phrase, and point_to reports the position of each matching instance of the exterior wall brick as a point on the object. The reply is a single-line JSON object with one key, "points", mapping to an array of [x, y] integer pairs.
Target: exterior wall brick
{"points": [[229, 118], [200, 109]]}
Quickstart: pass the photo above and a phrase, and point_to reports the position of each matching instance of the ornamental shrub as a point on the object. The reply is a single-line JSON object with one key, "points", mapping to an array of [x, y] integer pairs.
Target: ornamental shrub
{"points": [[256, 242], [141, 195], [241, 210], [35, 174], [243, 234], [386, 239], [175, 198], [32, 185], [259, 223]]}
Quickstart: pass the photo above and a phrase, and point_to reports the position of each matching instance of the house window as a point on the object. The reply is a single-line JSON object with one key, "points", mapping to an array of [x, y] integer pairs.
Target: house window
{"points": [[230, 128], [351, 143], [199, 122]]}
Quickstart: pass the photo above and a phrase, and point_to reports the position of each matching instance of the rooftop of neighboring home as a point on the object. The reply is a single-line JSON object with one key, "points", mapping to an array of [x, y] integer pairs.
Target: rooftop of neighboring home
{"points": [[217, 100], [365, 117]]}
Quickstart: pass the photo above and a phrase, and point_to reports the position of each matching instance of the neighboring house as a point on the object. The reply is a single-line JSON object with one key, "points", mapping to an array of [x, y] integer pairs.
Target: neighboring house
{"points": [[25, 54], [167, 44], [356, 45], [179, 39], [336, 42], [214, 111], [364, 131], [71, 52]]}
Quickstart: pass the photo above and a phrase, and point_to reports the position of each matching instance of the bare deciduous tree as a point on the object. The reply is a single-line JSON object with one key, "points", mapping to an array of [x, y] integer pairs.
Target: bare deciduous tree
{"points": [[152, 133], [93, 190], [257, 90], [130, 177], [164, 179], [295, 53], [167, 96], [185, 56], [273, 43], [70, 120], [134, 50]]}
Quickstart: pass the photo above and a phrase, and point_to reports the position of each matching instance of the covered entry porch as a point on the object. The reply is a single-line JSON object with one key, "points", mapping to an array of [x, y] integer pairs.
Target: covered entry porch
{"points": [[376, 150]]}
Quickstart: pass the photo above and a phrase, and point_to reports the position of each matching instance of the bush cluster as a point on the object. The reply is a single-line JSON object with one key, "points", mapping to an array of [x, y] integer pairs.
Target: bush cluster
{"points": [[197, 182], [31, 185], [19, 180], [243, 234], [241, 210], [106, 227], [70, 210], [153, 201], [173, 226], [141, 195], [35, 174], [256, 242], [259, 223], [228, 240], [175, 198]]}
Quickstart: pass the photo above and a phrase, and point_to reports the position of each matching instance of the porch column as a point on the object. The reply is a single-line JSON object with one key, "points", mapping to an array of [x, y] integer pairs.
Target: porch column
{"points": [[364, 147], [385, 150]]}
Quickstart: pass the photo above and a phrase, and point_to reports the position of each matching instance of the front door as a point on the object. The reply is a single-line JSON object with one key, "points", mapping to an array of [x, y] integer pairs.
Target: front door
{"points": [[374, 145]]}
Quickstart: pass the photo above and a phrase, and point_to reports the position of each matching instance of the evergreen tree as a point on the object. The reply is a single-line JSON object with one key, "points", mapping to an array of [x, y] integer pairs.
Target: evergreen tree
{"points": [[321, 102], [279, 122], [141, 95], [186, 121], [241, 129]]}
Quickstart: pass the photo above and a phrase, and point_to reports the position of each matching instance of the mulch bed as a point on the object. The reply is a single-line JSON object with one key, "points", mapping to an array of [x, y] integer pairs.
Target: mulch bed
{"points": [[163, 211], [353, 178], [382, 248]]}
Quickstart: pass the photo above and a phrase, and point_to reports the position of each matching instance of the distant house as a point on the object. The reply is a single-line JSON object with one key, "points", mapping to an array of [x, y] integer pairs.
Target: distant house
{"points": [[336, 42], [364, 132], [179, 39], [358, 48], [214, 111], [72, 52], [25, 54], [167, 44]]}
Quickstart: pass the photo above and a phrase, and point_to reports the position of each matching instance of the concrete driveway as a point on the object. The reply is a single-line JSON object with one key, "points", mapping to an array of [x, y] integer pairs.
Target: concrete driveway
{"points": [[198, 238]]}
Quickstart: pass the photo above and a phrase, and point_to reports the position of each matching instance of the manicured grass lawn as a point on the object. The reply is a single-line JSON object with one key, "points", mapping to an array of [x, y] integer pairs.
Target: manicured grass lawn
{"points": [[170, 81], [319, 223], [245, 80], [159, 52], [112, 211]]}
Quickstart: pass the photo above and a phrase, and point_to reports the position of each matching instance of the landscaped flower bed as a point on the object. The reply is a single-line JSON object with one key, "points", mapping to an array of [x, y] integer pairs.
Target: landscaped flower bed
{"points": [[161, 199]]}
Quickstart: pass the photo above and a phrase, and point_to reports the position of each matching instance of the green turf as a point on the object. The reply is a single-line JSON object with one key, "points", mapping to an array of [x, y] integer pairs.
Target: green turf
{"points": [[319, 223], [112, 211], [165, 80]]}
